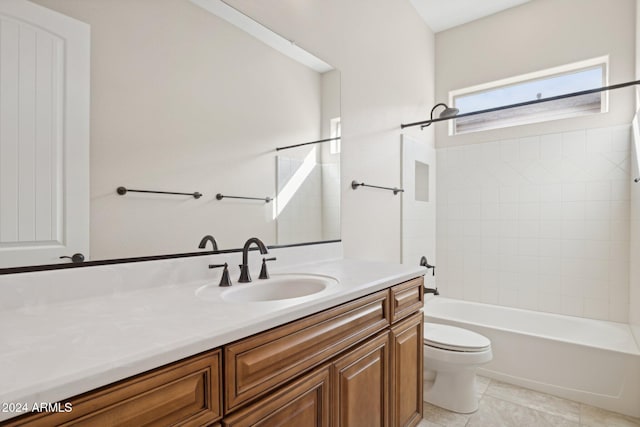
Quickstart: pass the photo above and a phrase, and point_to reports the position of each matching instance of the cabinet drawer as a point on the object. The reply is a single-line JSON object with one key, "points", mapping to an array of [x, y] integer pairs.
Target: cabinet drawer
{"points": [[260, 363], [406, 298], [305, 402], [186, 393]]}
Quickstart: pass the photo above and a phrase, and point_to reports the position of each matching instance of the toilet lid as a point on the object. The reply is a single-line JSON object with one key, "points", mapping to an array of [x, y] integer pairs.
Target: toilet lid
{"points": [[452, 338]]}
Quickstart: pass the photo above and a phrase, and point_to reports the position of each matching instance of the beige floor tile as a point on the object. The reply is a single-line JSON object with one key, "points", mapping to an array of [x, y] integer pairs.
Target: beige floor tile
{"points": [[552, 405], [481, 385], [494, 412], [426, 423], [596, 417], [442, 417]]}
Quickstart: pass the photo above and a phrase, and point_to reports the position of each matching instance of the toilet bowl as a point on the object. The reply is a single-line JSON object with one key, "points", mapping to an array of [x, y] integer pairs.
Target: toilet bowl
{"points": [[452, 356]]}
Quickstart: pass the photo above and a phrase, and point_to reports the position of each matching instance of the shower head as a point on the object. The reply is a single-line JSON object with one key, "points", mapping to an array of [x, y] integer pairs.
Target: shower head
{"points": [[446, 113]]}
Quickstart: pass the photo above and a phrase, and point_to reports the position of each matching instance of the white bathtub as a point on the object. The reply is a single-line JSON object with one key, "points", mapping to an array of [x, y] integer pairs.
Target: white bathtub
{"points": [[591, 361]]}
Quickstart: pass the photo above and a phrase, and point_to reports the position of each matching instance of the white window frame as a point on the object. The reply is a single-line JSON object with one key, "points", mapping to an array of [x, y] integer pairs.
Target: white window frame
{"points": [[336, 132], [524, 78]]}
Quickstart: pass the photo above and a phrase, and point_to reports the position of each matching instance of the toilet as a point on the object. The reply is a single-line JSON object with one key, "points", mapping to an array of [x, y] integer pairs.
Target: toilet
{"points": [[452, 356]]}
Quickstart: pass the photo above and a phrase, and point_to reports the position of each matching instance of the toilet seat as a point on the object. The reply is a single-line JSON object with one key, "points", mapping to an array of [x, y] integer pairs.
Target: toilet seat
{"points": [[452, 338]]}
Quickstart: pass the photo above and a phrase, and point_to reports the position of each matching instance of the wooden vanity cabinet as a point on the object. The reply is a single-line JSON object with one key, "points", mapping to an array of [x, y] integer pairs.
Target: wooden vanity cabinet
{"points": [[355, 365]]}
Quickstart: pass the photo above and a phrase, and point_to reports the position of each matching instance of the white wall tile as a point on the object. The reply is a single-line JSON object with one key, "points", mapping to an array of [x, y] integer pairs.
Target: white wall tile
{"points": [[573, 211], [509, 151], [529, 193], [550, 302], [529, 211], [621, 190], [543, 224], [573, 191], [529, 149], [508, 194], [552, 211], [551, 147], [620, 230], [619, 309], [620, 138], [572, 306], [509, 229], [596, 308], [551, 247], [551, 193], [574, 145], [598, 140], [528, 229], [597, 210]]}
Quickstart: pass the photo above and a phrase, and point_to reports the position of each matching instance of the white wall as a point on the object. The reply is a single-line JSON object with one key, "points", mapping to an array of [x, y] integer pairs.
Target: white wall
{"points": [[540, 222], [179, 104], [535, 36], [385, 54]]}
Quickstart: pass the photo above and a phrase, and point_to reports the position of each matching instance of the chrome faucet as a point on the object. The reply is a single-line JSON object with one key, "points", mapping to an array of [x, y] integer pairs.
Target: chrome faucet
{"points": [[244, 267], [208, 238]]}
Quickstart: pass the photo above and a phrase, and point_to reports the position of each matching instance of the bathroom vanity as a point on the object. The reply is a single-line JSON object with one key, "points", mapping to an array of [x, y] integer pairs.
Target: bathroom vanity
{"points": [[357, 361]]}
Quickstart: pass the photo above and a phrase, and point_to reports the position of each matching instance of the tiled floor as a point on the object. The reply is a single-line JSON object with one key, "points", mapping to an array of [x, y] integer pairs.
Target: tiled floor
{"points": [[505, 405]]}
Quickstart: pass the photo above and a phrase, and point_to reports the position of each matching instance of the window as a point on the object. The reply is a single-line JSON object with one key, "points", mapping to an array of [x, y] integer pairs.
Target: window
{"points": [[575, 77], [336, 132]]}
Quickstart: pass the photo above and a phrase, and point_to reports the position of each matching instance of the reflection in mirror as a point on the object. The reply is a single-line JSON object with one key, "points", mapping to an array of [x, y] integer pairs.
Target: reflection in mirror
{"points": [[184, 101], [308, 178]]}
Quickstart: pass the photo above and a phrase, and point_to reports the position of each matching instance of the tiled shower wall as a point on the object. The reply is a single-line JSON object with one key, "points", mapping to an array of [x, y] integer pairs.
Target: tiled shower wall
{"points": [[540, 223]]}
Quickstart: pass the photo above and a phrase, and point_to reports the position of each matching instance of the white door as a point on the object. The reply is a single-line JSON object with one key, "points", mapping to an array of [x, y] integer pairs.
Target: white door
{"points": [[418, 203], [44, 135]]}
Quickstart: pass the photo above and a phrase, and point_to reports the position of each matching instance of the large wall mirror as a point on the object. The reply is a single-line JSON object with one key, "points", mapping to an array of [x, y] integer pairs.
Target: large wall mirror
{"points": [[191, 96]]}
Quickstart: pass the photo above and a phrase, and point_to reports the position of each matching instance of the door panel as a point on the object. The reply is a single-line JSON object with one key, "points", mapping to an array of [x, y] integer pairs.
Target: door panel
{"points": [[44, 137]]}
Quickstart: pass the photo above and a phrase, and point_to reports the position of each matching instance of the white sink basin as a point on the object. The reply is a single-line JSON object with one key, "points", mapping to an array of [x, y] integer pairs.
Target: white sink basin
{"points": [[278, 287]]}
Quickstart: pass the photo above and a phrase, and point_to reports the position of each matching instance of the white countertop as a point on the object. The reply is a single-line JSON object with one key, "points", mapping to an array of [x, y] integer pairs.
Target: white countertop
{"points": [[53, 351]]}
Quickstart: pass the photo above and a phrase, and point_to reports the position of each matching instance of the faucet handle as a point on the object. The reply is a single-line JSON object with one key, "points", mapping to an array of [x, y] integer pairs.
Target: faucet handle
{"points": [[264, 274], [225, 280], [425, 263]]}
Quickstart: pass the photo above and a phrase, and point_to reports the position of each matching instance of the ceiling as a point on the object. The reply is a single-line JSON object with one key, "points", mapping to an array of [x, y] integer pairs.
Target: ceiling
{"points": [[444, 14]]}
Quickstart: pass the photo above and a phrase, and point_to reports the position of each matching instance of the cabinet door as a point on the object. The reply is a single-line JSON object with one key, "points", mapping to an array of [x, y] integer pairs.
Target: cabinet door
{"points": [[360, 381], [406, 371], [302, 403]]}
